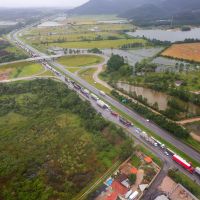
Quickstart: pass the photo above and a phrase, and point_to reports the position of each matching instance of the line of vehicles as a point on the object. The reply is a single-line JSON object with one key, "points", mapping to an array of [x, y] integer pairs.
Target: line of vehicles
{"points": [[168, 152], [176, 158]]}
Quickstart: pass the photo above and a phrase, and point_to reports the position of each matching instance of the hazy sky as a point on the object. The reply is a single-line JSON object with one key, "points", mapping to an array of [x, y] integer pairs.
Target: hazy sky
{"points": [[41, 3]]}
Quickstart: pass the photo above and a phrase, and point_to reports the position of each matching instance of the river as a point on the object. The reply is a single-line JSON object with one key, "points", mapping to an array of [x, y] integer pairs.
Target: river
{"points": [[171, 35], [154, 96]]}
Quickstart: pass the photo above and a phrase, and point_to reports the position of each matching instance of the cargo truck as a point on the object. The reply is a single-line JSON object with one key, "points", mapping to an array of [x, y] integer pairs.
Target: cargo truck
{"points": [[183, 163]]}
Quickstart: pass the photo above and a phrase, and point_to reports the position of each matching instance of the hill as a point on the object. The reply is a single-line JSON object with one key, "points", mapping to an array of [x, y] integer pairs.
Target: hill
{"points": [[182, 11], [146, 12], [109, 6]]}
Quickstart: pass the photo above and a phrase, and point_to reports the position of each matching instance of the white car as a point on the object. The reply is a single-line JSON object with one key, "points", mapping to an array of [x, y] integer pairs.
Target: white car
{"points": [[166, 153], [102, 93], [155, 144]]}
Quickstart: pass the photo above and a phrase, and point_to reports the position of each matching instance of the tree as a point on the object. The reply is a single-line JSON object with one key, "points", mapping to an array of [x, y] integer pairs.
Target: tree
{"points": [[126, 149], [115, 62], [132, 178]]}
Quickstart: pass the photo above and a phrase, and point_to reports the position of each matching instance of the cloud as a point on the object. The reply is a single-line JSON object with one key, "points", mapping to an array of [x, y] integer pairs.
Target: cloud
{"points": [[42, 3]]}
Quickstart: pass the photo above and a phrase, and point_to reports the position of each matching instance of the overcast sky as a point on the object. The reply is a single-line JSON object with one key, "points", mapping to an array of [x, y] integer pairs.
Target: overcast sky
{"points": [[41, 3]]}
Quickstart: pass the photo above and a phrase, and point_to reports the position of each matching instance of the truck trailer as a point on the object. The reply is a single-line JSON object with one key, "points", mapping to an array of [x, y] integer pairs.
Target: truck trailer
{"points": [[183, 163], [93, 96], [102, 105]]}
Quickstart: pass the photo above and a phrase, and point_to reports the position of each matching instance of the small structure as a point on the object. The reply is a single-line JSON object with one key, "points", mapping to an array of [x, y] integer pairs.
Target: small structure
{"points": [[119, 188], [143, 187], [126, 183], [112, 196], [148, 160]]}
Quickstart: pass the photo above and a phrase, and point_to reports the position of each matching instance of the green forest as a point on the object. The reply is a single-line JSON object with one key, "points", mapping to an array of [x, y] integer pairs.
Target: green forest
{"points": [[52, 144]]}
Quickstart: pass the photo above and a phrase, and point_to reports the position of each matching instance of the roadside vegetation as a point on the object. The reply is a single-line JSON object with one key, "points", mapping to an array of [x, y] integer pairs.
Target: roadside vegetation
{"points": [[99, 44], [18, 70], [52, 143], [9, 53]]}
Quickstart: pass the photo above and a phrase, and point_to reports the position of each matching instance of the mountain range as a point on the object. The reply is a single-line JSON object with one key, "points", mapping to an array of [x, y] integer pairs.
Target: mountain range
{"points": [[146, 12]]}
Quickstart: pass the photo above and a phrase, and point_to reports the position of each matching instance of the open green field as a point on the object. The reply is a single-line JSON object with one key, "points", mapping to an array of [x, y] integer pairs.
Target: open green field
{"points": [[49, 147], [80, 60], [99, 44], [17, 70], [87, 74]]}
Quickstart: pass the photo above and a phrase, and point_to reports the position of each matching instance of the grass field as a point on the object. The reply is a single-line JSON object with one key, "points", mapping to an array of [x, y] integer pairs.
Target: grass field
{"points": [[87, 74], [190, 51], [18, 70], [98, 44], [49, 148], [80, 60]]}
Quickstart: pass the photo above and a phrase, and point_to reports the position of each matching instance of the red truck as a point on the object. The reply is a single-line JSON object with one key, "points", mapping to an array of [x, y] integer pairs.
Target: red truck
{"points": [[183, 163]]}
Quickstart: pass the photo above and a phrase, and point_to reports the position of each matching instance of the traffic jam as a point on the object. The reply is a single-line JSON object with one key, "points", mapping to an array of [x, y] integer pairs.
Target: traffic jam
{"points": [[157, 144], [154, 142]]}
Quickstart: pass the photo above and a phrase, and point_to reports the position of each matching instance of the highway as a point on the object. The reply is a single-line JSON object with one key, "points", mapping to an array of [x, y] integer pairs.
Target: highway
{"points": [[168, 163]]}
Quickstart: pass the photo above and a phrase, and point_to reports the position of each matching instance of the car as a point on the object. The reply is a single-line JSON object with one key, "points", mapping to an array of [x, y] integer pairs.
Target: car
{"points": [[155, 144], [147, 120], [166, 153], [102, 93], [114, 113]]}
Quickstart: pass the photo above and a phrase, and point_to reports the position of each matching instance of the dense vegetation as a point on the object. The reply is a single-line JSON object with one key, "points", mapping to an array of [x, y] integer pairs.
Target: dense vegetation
{"points": [[52, 144]]}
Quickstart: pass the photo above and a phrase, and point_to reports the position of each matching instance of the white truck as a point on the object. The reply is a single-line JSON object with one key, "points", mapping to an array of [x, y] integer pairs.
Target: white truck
{"points": [[93, 96], [128, 194], [133, 195], [102, 93], [102, 105], [197, 170]]}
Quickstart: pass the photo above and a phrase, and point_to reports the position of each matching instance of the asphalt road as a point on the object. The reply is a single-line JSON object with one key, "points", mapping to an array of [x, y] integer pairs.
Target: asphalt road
{"points": [[168, 163]]}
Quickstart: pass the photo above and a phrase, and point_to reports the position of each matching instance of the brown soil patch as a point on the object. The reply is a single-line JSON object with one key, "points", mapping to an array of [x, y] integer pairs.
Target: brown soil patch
{"points": [[167, 185], [189, 51], [139, 179], [195, 136], [4, 75]]}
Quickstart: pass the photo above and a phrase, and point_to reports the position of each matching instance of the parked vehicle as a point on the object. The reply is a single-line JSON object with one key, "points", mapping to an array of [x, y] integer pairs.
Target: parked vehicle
{"points": [[197, 170], [76, 86], [128, 194], [93, 96], [133, 195], [85, 92], [183, 163], [102, 104], [114, 113], [102, 93]]}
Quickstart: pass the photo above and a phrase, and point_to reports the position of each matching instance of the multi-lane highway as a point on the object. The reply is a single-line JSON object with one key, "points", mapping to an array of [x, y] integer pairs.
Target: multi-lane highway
{"points": [[106, 114]]}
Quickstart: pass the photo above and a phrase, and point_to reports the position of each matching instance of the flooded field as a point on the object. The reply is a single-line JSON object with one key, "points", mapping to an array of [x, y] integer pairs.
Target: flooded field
{"points": [[49, 24], [167, 35], [134, 56], [8, 23], [154, 96]]}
